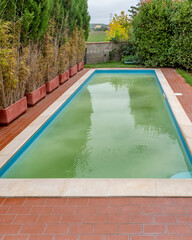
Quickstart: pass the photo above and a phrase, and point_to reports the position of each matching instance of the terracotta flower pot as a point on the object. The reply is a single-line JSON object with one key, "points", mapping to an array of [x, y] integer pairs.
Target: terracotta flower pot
{"points": [[80, 66], [73, 71], [64, 77], [12, 112], [52, 85], [36, 96]]}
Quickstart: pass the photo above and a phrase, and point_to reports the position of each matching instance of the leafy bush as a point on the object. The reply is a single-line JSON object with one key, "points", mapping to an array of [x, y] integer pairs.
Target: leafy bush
{"points": [[181, 46], [162, 33], [152, 32], [128, 49], [131, 59], [112, 54]]}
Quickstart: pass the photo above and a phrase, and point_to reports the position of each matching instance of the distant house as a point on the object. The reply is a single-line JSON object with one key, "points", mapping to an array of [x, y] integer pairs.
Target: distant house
{"points": [[98, 26]]}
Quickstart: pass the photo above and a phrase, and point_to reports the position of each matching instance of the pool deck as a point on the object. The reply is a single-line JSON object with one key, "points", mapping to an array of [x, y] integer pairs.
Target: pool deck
{"points": [[96, 219], [119, 218]]}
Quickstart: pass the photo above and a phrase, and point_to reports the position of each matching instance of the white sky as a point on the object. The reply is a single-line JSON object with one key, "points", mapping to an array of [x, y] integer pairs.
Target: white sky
{"points": [[100, 10]]}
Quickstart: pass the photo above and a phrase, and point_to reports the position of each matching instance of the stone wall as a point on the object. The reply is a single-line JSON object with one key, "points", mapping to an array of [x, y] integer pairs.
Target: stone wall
{"points": [[99, 52]]}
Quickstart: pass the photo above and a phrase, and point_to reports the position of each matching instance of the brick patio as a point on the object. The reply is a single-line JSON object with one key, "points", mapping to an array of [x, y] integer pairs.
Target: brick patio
{"points": [[95, 218]]}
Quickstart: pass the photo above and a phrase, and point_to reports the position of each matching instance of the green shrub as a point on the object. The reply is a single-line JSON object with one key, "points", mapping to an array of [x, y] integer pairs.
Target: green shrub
{"points": [[112, 54], [152, 32], [128, 48], [162, 33], [131, 59], [181, 45], [128, 52]]}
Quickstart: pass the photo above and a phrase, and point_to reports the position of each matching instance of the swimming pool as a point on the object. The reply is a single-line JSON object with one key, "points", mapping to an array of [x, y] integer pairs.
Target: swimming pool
{"points": [[118, 124]]}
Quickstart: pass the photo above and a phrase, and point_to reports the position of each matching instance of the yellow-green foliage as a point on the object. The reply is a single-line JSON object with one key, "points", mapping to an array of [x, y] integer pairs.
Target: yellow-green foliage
{"points": [[37, 68], [81, 45], [63, 56], [119, 28], [24, 68], [13, 66], [8, 53], [51, 53], [73, 41]]}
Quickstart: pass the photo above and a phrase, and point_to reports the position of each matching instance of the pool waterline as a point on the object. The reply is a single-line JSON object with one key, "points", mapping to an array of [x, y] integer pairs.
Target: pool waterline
{"points": [[183, 186]]}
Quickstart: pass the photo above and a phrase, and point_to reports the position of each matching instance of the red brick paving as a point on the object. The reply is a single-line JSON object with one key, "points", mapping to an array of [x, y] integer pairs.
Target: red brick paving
{"points": [[95, 218], [95, 226], [178, 84]]}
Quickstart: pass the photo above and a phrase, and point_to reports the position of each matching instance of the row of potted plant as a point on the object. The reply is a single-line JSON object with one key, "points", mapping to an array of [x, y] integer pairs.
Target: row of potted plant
{"points": [[29, 72], [12, 112]]}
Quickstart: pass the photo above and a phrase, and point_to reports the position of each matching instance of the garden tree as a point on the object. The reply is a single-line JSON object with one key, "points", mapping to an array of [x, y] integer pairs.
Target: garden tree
{"points": [[83, 28], [33, 15], [78, 16], [119, 28], [60, 15], [44, 16], [85, 17], [134, 10], [78, 29]]}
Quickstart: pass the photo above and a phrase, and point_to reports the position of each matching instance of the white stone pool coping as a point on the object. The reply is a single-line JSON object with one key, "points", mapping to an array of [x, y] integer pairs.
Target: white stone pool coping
{"points": [[96, 187]]}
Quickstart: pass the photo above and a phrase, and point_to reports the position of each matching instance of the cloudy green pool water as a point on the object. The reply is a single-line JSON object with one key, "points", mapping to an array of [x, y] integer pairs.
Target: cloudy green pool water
{"points": [[117, 126]]}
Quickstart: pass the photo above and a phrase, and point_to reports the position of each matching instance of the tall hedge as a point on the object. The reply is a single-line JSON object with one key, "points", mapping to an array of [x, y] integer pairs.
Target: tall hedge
{"points": [[181, 44], [162, 33], [37, 39], [36, 14], [33, 16]]}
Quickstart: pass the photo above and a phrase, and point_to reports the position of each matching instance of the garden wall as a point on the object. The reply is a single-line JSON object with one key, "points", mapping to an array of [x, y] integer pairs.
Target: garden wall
{"points": [[99, 52]]}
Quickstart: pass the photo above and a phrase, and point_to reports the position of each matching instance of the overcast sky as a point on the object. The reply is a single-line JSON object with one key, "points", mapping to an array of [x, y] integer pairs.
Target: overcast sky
{"points": [[100, 10]]}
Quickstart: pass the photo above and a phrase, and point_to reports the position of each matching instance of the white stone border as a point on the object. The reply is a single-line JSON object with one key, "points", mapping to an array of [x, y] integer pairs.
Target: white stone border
{"points": [[183, 121], [96, 187]]}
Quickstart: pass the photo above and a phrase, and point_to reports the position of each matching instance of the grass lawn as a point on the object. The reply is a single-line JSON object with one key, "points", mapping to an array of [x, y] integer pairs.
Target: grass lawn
{"points": [[96, 36], [186, 75], [112, 64]]}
